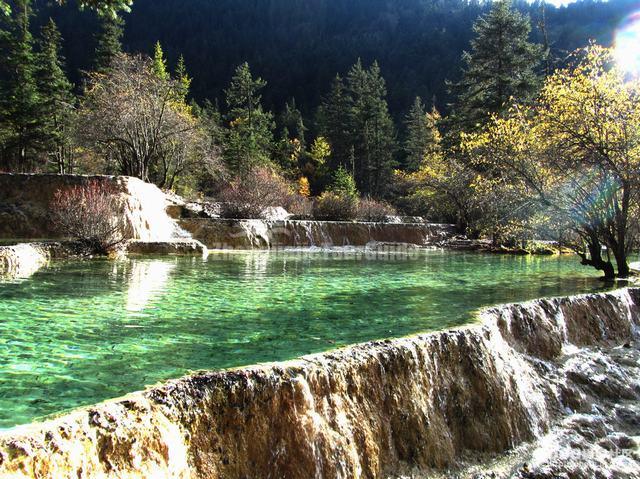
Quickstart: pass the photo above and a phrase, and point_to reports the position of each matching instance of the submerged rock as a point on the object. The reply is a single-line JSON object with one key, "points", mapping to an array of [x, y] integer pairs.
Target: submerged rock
{"points": [[427, 404]]}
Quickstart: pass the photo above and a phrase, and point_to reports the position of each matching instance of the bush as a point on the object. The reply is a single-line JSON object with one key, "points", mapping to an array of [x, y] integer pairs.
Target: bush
{"points": [[300, 207], [90, 214], [248, 196], [335, 206], [377, 211]]}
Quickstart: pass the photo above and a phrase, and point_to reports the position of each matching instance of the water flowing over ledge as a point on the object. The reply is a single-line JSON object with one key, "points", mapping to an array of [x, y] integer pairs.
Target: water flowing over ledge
{"points": [[218, 233], [369, 410], [153, 221]]}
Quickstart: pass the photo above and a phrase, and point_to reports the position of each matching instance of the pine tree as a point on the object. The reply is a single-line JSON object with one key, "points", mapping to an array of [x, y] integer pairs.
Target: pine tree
{"points": [[250, 138], [57, 99], [108, 42], [500, 67], [21, 131], [292, 120], [334, 117], [159, 62], [423, 136], [103, 7], [416, 140], [344, 183], [183, 79], [290, 151], [212, 122], [372, 129]]}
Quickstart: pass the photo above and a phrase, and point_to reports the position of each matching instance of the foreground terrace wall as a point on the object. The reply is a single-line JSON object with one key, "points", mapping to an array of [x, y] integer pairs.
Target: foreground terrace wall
{"points": [[25, 202], [222, 233], [362, 411]]}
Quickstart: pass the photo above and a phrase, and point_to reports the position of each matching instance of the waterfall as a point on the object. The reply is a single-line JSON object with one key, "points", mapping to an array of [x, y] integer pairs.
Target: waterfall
{"points": [[372, 410], [145, 211], [256, 233]]}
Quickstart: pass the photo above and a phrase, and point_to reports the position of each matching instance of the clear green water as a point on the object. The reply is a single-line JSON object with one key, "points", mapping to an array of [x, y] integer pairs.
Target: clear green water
{"points": [[80, 332]]}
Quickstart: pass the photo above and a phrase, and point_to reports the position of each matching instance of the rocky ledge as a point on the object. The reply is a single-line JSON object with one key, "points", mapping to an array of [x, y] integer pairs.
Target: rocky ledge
{"points": [[254, 233], [24, 259], [26, 205], [561, 375]]}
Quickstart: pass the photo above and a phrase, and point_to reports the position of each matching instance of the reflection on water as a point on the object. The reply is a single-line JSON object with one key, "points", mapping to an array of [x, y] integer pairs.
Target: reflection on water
{"points": [[83, 331], [146, 281], [255, 265]]}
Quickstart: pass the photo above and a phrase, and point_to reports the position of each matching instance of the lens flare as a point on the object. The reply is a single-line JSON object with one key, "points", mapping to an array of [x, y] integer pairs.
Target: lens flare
{"points": [[627, 44]]}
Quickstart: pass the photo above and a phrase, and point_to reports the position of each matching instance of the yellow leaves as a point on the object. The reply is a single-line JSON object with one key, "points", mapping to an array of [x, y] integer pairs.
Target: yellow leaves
{"points": [[296, 150], [593, 109], [303, 187], [320, 150], [237, 122], [180, 107], [587, 113]]}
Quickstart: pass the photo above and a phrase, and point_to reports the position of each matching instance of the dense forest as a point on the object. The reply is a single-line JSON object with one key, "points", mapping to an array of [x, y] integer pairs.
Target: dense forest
{"points": [[514, 121], [298, 46]]}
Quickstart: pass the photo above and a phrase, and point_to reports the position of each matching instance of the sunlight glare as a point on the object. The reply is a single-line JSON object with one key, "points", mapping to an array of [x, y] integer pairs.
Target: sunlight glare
{"points": [[627, 44]]}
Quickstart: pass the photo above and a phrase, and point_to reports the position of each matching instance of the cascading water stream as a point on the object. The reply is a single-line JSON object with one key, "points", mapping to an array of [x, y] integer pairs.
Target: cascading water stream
{"points": [[256, 233]]}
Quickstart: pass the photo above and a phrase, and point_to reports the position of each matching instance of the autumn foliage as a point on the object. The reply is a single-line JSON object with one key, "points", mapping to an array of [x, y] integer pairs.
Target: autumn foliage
{"points": [[89, 213], [249, 196]]}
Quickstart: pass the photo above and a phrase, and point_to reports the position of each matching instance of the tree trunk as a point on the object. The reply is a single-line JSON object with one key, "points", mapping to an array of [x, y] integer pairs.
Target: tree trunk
{"points": [[620, 255], [595, 258]]}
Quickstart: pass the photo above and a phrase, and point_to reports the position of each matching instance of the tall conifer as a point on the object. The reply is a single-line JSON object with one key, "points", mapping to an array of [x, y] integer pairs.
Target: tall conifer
{"points": [[501, 66], [21, 131], [57, 99], [109, 42], [159, 62], [250, 137], [422, 137], [334, 117], [373, 131]]}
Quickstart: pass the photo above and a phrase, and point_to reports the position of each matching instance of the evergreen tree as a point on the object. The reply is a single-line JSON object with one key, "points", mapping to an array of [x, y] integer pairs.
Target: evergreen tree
{"points": [[212, 122], [159, 62], [501, 66], [57, 100], [334, 117], [183, 79], [104, 7], [290, 151], [291, 120], [416, 140], [108, 42], [422, 137], [21, 130], [250, 136], [372, 129], [344, 183], [287, 154]]}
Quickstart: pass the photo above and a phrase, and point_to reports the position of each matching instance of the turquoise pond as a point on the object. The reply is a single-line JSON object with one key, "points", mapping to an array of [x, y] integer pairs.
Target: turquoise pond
{"points": [[79, 332]]}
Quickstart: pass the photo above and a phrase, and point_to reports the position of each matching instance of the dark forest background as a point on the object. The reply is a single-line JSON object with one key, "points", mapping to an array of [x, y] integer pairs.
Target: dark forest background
{"points": [[298, 46]]}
